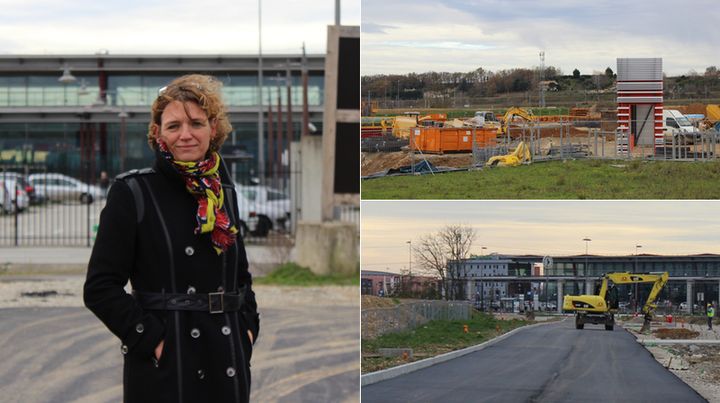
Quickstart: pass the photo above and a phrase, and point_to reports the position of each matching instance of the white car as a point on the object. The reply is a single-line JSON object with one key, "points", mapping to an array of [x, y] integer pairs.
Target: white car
{"points": [[265, 208], [59, 187], [12, 195]]}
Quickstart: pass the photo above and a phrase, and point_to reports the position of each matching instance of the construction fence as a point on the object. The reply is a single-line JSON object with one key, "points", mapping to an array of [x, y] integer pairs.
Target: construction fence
{"points": [[552, 141], [379, 321]]}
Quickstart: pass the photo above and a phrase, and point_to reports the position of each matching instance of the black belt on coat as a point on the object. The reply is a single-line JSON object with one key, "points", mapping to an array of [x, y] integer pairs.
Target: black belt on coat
{"points": [[214, 302]]}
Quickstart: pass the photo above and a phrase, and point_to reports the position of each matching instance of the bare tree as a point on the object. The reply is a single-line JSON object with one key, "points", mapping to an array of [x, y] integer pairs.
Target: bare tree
{"points": [[458, 239], [440, 254], [431, 256]]}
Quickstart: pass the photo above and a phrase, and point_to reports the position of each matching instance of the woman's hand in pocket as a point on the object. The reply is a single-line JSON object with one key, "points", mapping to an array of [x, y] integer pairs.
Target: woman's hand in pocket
{"points": [[159, 349]]}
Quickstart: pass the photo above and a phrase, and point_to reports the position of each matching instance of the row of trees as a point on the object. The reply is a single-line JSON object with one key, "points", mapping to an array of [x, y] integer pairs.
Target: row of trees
{"points": [[483, 83]]}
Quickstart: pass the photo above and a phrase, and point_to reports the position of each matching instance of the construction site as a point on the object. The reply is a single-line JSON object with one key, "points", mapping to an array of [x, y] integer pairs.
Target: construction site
{"points": [[638, 124]]}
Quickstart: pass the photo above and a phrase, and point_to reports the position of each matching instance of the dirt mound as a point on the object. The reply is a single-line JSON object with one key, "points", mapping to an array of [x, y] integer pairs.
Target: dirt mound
{"points": [[379, 162], [371, 301], [676, 334]]}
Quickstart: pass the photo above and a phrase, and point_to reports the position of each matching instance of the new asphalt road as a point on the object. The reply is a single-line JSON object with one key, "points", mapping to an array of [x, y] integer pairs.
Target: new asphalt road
{"points": [[549, 363]]}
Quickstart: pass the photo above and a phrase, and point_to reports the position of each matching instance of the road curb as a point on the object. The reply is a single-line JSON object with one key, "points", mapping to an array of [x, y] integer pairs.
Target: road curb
{"points": [[659, 342], [385, 374]]}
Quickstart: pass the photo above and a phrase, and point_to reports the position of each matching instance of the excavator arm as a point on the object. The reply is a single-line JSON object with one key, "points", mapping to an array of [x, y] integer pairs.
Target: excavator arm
{"points": [[510, 114]]}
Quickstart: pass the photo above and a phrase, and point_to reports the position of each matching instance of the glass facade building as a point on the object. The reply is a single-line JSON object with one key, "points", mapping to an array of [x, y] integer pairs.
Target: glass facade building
{"points": [[98, 120]]}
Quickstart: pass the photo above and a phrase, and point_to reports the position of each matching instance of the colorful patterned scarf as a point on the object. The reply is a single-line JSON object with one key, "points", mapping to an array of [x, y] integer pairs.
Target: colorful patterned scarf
{"points": [[202, 180]]}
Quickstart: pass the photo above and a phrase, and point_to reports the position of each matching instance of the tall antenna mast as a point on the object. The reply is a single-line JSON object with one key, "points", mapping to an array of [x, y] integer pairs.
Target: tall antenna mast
{"points": [[541, 83]]}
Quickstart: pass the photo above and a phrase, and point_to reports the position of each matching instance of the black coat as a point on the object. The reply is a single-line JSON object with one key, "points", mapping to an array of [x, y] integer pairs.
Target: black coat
{"points": [[206, 357]]}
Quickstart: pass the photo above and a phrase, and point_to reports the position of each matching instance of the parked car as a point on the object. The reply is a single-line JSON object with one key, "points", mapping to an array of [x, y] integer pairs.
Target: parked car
{"points": [[264, 208], [12, 196], [59, 187], [271, 206], [24, 184]]}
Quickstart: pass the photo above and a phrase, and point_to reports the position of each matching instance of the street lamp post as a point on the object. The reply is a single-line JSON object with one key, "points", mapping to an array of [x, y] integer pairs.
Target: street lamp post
{"points": [[482, 284], [410, 281], [635, 271], [587, 242]]}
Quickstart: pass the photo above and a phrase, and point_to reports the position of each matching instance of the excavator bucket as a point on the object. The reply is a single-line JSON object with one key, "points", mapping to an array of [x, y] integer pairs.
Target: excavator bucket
{"points": [[646, 324]]}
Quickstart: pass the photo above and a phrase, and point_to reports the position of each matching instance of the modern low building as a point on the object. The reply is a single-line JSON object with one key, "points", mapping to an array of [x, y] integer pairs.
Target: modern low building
{"points": [[694, 279], [83, 114]]}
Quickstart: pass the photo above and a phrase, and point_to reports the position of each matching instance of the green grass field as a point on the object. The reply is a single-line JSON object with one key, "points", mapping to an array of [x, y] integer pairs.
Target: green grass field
{"points": [[581, 179], [294, 274], [434, 338]]}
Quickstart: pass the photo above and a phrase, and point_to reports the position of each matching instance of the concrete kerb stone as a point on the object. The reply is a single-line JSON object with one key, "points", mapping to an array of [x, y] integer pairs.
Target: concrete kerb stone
{"points": [[385, 374]]}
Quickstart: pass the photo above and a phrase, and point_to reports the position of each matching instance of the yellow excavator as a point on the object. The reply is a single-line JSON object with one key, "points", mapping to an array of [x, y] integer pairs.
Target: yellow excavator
{"points": [[510, 114], [601, 308]]}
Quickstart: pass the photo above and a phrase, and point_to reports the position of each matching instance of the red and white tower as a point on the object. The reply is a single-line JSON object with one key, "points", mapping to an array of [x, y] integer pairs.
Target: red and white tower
{"points": [[639, 103]]}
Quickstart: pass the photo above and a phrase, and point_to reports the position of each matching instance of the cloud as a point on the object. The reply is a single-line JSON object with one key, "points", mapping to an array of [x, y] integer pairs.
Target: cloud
{"points": [[370, 28], [543, 227], [587, 36], [133, 26]]}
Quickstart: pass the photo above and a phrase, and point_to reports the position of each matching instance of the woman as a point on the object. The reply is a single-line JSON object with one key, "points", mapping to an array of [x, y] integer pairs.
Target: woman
{"points": [[188, 328]]}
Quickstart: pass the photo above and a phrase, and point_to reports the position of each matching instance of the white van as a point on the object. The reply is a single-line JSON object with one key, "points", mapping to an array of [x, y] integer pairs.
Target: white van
{"points": [[675, 124]]}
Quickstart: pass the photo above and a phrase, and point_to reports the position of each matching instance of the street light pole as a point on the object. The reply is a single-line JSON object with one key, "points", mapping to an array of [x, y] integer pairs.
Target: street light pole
{"points": [[635, 271], [410, 263], [587, 242], [261, 129], [482, 284]]}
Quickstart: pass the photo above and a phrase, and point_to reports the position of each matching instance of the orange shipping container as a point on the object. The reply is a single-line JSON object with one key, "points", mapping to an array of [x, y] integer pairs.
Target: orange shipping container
{"points": [[448, 140]]}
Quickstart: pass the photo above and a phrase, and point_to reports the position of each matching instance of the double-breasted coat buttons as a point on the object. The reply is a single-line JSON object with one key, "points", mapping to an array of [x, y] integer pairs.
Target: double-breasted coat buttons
{"points": [[200, 374], [225, 330], [191, 290], [139, 328], [230, 372], [189, 250], [195, 333], [124, 349]]}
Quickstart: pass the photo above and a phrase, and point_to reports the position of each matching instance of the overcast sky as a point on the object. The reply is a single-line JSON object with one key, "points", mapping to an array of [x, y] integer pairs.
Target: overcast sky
{"points": [[402, 36], [555, 228], [175, 27]]}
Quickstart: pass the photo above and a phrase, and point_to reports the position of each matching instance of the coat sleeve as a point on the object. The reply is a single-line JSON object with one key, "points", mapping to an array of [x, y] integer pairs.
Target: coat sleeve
{"points": [[111, 262]]}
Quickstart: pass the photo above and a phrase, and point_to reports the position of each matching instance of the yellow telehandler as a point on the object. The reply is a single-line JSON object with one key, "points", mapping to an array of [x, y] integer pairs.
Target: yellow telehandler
{"points": [[601, 308]]}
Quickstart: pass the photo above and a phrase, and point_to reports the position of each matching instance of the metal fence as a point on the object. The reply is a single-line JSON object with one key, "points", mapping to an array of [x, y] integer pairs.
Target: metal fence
{"points": [[565, 141], [38, 208], [379, 321], [573, 139]]}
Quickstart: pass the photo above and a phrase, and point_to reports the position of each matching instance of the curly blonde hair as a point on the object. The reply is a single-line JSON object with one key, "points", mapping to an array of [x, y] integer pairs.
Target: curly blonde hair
{"points": [[203, 90]]}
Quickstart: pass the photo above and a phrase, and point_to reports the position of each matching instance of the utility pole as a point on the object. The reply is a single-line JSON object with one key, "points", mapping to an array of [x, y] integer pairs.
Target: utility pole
{"points": [[542, 78]]}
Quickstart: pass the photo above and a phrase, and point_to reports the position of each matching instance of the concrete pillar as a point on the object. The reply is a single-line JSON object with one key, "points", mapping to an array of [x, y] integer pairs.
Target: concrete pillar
{"points": [[560, 285], [689, 297], [470, 290]]}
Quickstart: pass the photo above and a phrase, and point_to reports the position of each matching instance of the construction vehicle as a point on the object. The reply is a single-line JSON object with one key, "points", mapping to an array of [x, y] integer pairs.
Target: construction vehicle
{"points": [[601, 308], [510, 114]]}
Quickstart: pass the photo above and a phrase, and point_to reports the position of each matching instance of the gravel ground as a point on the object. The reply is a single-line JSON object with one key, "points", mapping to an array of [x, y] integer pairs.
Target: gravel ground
{"points": [[66, 291]]}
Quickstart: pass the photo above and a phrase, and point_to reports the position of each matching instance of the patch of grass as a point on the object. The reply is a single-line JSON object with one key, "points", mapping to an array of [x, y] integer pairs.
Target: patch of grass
{"points": [[294, 274], [434, 338], [581, 179]]}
